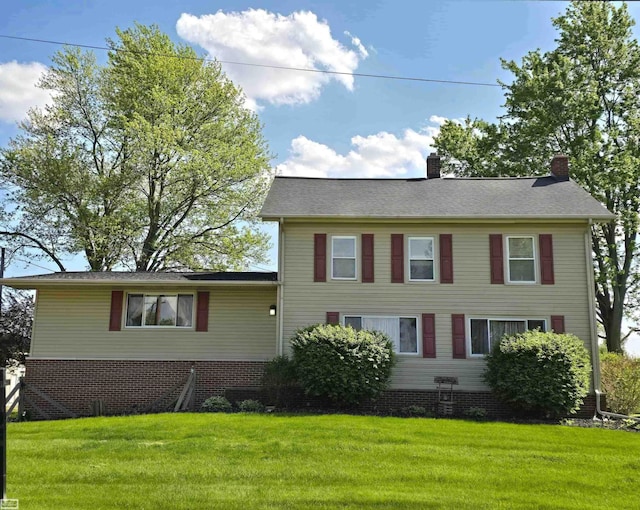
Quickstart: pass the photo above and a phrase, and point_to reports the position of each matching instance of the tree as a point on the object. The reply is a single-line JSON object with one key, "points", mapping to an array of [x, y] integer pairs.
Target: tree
{"points": [[580, 99], [15, 327], [150, 162]]}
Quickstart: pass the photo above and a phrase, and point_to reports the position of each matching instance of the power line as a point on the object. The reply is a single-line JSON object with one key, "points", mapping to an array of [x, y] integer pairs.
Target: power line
{"points": [[34, 264], [249, 64]]}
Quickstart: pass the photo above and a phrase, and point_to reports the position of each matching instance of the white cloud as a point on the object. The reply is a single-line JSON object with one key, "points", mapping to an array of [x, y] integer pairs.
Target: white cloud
{"points": [[18, 91], [358, 44], [257, 36], [379, 155]]}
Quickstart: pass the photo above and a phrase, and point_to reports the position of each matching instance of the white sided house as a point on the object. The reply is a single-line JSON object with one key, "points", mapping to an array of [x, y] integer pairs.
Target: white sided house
{"points": [[444, 266]]}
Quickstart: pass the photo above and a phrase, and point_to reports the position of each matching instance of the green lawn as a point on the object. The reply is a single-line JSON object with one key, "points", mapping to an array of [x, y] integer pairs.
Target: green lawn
{"points": [[200, 461]]}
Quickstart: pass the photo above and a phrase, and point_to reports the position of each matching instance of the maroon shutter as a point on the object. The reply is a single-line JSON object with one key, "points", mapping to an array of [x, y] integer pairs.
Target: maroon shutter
{"points": [[557, 323], [320, 257], [333, 318], [202, 312], [546, 259], [397, 258], [367, 258], [458, 334], [428, 335], [496, 258], [446, 258], [115, 318]]}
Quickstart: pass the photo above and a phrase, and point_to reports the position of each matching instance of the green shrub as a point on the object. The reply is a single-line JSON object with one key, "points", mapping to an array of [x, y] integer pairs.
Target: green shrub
{"points": [[250, 406], [217, 405], [475, 413], [416, 412], [279, 377], [544, 374], [620, 378], [342, 364]]}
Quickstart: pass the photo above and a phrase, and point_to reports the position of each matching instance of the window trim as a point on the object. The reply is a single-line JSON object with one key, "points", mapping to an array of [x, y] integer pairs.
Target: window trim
{"points": [[418, 352], [409, 258], [535, 259], [158, 326], [506, 319], [355, 257]]}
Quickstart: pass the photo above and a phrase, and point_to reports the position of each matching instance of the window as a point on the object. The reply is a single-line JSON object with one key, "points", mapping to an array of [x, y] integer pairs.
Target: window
{"points": [[421, 258], [403, 331], [485, 332], [343, 258], [522, 260], [160, 310]]}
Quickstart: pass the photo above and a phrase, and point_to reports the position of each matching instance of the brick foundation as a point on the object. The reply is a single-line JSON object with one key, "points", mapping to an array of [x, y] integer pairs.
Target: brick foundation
{"points": [[131, 386]]}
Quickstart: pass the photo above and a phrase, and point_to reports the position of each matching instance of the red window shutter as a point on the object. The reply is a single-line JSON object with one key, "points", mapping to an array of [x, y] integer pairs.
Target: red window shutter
{"points": [[320, 257], [202, 312], [446, 258], [557, 323], [546, 259], [496, 258], [428, 335], [458, 333], [115, 318], [397, 258], [333, 318], [367, 258]]}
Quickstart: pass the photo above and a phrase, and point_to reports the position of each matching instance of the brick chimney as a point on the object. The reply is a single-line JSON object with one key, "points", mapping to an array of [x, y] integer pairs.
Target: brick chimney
{"points": [[433, 166], [560, 167]]}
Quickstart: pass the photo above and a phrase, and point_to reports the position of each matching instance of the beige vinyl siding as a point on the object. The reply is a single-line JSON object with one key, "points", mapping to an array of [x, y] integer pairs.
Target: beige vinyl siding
{"points": [[74, 323], [471, 294]]}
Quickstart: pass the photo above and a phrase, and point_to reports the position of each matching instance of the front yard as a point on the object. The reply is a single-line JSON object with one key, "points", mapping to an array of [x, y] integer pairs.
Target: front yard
{"points": [[200, 461]]}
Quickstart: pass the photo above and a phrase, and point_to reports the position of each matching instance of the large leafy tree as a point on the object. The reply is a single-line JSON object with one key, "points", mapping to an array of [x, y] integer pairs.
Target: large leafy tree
{"points": [[150, 162], [581, 99], [16, 322]]}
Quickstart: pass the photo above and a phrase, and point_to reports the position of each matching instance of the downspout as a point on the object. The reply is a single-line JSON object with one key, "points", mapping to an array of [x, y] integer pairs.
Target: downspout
{"points": [[280, 339], [591, 296]]}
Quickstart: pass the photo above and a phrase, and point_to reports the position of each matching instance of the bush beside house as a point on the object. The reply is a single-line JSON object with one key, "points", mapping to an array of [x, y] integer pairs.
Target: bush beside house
{"points": [[620, 378]]}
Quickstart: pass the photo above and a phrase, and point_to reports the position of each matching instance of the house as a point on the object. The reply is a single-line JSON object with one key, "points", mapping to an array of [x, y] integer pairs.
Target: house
{"points": [[444, 266]]}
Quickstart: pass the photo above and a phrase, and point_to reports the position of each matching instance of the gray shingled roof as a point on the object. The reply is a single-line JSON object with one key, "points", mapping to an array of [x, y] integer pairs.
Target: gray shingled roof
{"points": [[529, 197], [116, 277]]}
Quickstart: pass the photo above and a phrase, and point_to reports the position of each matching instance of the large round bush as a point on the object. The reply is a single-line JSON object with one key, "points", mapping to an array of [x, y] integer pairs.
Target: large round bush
{"points": [[544, 374], [340, 363]]}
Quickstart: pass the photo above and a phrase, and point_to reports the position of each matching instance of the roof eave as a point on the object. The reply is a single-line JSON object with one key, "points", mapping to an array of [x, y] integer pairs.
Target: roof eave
{"points": [[448, 219], [36, 283]]}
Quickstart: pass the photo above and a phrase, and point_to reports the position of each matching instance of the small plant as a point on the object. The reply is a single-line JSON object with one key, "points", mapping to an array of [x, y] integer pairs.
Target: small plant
{"points": [[250, 406], [343, 364], [217, 405], [416, 412], [620, 376], [543, 374], [476, 413]]}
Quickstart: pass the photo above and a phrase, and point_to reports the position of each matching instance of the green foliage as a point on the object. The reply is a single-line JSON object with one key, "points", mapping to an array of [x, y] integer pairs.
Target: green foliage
{"points": [[250, 406], [540, 373], [16, 320], [416, 412], [217, 404], [343, 364], [580, 99], [620, 379], [150, 162], [476, 413], [278, 379]]}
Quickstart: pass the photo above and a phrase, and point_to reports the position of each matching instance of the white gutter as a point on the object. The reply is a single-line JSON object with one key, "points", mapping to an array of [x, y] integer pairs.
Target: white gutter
{"points": [[607, 414], [35, 283], [591, 296], [280, 336]]}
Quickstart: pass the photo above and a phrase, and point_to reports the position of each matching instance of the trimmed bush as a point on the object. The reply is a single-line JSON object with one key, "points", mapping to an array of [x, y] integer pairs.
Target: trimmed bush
{"points": [[250, 406], [542, 374], [279, 377], [342, 364], [416, 412], [217, 405], [620, 378]]}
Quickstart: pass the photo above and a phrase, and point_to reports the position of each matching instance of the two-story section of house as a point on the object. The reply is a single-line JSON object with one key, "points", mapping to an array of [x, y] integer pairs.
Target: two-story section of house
{"points": [[444, 266]]}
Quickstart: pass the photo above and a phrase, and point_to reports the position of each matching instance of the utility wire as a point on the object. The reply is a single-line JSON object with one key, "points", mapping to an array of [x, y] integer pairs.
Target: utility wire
{"points": [[34, 264], [249, 64]]}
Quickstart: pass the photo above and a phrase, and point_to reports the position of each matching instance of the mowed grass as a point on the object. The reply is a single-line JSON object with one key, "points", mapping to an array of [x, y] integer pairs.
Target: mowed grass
{"points": [[201, 461]]}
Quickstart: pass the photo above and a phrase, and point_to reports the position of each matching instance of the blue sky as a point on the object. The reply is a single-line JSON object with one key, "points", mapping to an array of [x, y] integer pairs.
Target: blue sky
{"points": [[316, 124]]}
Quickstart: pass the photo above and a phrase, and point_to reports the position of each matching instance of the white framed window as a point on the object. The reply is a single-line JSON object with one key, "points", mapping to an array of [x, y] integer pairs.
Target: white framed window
{"points": [[421, 259], [484, 333], [403, 331], [159, 311], [343, 258], [521, 259]]}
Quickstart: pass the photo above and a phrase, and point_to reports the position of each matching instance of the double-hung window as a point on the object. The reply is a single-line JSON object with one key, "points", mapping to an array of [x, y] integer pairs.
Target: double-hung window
{"points": [[421, 259], [159, 310], [486, 332], [343, 258], [522, 259], [403, 331]]}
